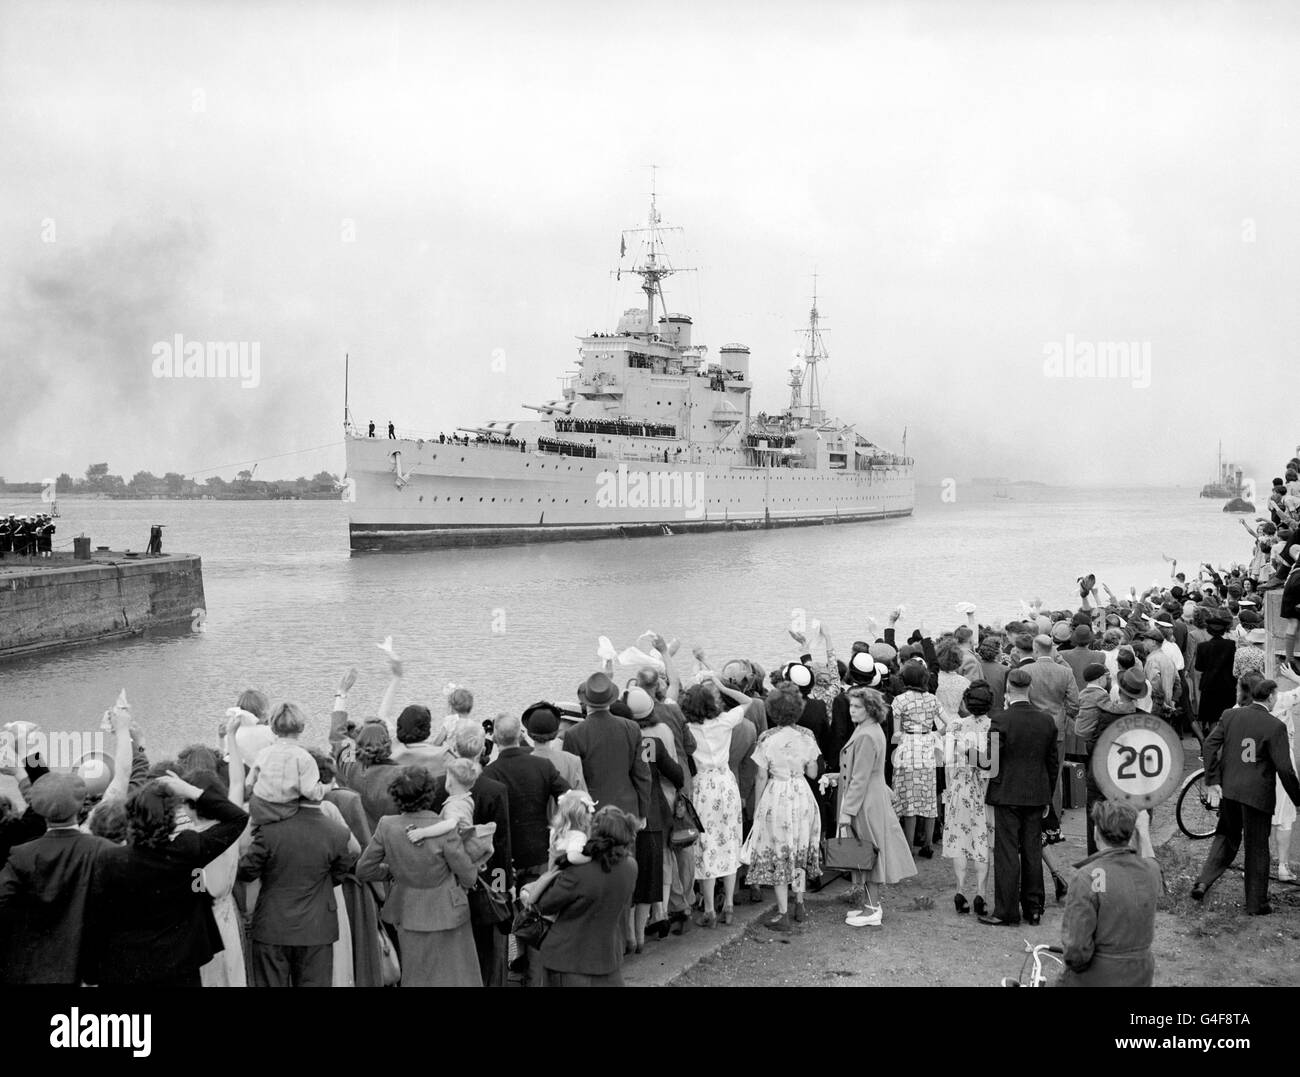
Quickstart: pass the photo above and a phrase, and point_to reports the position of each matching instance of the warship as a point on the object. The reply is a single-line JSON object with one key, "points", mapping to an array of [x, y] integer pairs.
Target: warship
{"points": [[650, 436]]}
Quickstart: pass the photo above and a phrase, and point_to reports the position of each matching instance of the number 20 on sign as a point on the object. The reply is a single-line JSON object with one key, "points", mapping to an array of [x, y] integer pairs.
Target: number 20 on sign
{"points": [[1139, 759]]}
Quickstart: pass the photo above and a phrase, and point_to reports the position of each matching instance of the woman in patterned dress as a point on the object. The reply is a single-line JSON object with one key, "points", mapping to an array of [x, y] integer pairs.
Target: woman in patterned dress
{"points": [[716, 793], [916, 714], [1250, 654], [1285, 709], [784, 844], [966, 828]]}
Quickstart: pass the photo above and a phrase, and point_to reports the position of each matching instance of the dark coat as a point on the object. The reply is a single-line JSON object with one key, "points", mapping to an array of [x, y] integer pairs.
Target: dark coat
{"points": [[299, 860], [43, 892], [1218, 686], [491, 805], [149, 922], [1110, 921], [1022, 742], [1247, 752], [610, 750], [590, 906], [530, 780]]}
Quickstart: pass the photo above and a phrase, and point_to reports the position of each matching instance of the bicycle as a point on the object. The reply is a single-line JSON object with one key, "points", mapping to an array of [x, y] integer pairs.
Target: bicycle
{"points": [[1197, 818], [1055, 957]]}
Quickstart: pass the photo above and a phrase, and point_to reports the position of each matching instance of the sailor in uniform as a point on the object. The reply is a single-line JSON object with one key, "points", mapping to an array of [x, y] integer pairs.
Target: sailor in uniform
{"points": [[45, 536]]}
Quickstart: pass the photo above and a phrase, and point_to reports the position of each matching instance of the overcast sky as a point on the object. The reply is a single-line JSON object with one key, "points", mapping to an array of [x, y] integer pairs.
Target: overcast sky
{"points": [[438, 190]]}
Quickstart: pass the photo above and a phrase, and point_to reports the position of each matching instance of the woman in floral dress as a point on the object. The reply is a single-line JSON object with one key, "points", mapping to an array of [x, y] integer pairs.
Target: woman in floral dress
{"points": [[966, 828], [916, 715], [716, 793], [784, 845]]}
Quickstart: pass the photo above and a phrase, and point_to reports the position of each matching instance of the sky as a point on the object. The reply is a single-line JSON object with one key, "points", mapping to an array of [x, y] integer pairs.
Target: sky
{"points": [[437, 191]]}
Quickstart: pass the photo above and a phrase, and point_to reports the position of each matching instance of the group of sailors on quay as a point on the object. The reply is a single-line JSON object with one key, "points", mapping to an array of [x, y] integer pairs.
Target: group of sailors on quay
{"points": [[626, 427], [27, 536]]}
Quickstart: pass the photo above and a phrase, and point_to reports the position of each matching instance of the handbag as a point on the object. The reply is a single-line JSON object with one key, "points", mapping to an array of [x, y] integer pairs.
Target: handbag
{"points": [[686, 824], [847, 851], [530, 926], [390, 964], [489, 907]]}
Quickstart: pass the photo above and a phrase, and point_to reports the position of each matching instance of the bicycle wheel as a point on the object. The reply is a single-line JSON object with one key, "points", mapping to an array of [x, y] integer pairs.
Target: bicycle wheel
{"points": [[1195, 817]]}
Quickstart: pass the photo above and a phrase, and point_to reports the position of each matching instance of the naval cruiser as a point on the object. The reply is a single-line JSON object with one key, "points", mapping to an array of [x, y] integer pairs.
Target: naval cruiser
{"points": [[651, 436]]}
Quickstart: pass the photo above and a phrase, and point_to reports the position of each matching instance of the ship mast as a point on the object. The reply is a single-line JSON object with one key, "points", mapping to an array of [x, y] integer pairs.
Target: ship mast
{"points": [[814, 352], [654, 266]]}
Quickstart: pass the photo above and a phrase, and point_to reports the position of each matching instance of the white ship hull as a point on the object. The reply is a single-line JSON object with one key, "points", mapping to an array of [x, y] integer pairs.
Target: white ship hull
{"points": [[433, 495]]}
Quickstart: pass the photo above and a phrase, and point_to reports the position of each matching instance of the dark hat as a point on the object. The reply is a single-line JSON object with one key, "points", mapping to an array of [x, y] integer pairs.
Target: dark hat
{"points": [[414, 724], [1019, 678], [1133, 684], [57, 798], [1094, 671], [600, 690], [1081, 636], [541, 721], [1250, 618], [979, 697]]}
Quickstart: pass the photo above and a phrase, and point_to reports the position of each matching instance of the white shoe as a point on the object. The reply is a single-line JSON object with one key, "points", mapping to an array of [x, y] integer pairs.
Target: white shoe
{"points": [[868, 917], [875, 917], [1285, 874]]}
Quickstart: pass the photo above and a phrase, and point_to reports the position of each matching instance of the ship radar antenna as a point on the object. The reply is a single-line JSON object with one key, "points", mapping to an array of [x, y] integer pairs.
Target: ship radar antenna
{"points": [[814, 352], [654, 265]]}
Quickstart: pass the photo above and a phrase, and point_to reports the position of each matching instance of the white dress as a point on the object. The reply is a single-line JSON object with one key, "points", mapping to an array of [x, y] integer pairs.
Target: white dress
{"points": [[226, 969], [343, 970], [1288, 703]]}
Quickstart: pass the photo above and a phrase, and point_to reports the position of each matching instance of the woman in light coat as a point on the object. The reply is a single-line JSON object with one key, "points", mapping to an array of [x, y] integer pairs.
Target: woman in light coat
{"points": [[865, 807]]}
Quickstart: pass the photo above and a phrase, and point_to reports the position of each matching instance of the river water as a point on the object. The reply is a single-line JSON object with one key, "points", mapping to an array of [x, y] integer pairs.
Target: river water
{"points": [[289, 609]]}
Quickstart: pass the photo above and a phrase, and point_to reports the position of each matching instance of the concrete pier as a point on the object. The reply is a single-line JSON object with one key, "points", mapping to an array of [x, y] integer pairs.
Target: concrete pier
{"points": [[63, 602]]}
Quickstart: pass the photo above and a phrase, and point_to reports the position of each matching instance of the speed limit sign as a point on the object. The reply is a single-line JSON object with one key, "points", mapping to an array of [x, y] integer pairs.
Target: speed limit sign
{"points": [[1138, 758]]}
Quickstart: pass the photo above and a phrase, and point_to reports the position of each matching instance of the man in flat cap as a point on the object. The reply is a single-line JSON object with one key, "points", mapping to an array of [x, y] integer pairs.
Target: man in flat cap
{"points": [[43, 889]]}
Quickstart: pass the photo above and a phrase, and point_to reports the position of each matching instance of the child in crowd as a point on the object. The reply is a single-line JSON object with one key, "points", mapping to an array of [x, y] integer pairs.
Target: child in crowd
{"points": [[458, 813], [285, 772], [570, 830]]}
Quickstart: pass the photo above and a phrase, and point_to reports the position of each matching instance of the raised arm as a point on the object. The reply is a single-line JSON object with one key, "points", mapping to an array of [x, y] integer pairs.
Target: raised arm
{"points": [[123, 754], [388, 704]]}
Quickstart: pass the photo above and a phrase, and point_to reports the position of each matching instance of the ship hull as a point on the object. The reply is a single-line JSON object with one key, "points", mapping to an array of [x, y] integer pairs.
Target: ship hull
{"points": [[434, 495]]}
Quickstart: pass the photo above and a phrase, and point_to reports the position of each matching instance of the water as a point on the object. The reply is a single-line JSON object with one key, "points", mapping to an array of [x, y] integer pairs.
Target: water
{"points": [[289, 609]]}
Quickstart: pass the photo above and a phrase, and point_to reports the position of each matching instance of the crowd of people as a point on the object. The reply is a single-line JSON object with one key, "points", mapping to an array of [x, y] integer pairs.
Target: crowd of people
{"points": [[566, 448], [636, 428], [27, 536], [437, 849]]}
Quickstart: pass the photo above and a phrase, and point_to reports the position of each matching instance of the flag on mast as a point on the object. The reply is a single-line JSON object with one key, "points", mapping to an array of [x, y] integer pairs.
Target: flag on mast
{"points": [[622, 246]]}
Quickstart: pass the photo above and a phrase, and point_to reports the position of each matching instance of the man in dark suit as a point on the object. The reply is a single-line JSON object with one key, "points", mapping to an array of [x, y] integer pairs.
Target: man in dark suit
{"points": [[1246, 754], [1026, 765], [43, 890], [295, 923], [491, 805], [531, 781], [610, 750]]}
